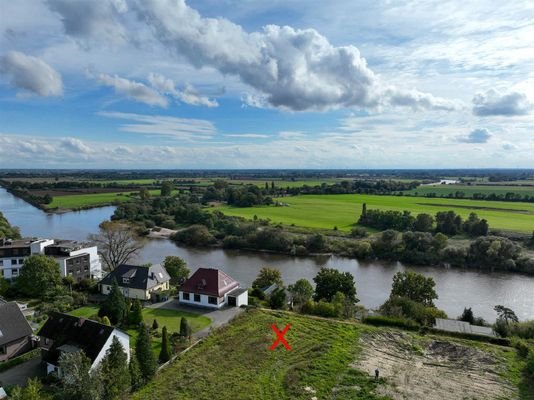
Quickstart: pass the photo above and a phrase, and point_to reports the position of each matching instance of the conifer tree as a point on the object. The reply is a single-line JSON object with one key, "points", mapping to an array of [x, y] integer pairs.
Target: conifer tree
{"points": [[144, 354], [135, 316], [115, 307], [185, 329], [115, 373], [165, 354], [155, 325], [135, 373]]}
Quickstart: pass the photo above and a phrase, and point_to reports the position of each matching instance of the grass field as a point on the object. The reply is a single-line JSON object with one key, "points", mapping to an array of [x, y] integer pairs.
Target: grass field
{"points": [[168, 318], [469, 190], [327, 211], [333, 360]]}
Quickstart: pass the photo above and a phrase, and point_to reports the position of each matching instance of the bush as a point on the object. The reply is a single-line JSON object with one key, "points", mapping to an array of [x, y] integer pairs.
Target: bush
{"points": [[195, 235], [397, 322], [401, 307], [321, 308], [358, 232], [521, 346]]}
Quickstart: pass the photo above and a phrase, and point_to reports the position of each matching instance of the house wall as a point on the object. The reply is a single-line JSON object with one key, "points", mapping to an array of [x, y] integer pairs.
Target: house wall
{"points": [[203, 300], [123, 338], [16, 348], [242, 299], [94, 260]]}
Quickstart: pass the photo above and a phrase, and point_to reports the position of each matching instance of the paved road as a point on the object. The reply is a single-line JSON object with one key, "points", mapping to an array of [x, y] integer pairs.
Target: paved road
{"points": [[218, 317], [19, 374]]}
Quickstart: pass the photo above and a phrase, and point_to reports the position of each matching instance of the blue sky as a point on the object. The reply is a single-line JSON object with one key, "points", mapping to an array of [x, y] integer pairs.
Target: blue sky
{"points": [[256, 84]]}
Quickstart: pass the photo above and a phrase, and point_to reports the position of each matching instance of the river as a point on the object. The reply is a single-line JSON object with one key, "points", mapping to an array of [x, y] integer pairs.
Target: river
{"points": [[456, 288]]}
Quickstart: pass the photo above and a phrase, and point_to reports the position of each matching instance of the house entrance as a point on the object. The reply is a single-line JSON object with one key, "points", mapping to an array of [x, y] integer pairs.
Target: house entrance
{"points": [[231, 301]]}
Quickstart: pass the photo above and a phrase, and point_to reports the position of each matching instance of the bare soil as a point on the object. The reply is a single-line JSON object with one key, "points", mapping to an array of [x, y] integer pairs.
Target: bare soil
{"points": [[432, 369]]}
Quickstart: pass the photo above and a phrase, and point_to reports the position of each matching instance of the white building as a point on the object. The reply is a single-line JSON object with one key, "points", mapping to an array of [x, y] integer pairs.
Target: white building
{"points": [[210, 287], [63, 333], [79, 260]]}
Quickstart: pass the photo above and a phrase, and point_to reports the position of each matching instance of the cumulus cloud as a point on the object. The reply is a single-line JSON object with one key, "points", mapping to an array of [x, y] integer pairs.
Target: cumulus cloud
{"points": [[180, 128], [75, 145], [418, 100], [479, 135], [31, 74], [134, 90], [89, 19], [493, 102], [295, 69], [189, 95]]}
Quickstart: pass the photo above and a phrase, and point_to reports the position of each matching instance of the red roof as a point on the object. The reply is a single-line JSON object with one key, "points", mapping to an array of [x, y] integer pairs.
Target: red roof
{"points": [[209, 281]]}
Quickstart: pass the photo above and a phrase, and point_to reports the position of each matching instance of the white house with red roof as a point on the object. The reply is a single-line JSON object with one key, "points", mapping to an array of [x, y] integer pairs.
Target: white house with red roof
{"points": [[211, 287]]}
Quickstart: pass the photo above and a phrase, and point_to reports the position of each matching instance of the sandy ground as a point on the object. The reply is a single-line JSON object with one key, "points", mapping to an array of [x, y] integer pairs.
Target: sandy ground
{"points": [[163, 233], [432, 369]]}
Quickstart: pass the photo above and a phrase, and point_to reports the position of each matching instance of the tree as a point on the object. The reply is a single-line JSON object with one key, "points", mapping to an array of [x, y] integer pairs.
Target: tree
{"points": [[135, 373], [115, 372], [316, 243], [144, 194], [185, 329], [155, 325], [32, 391], [329, 281], [144, 354], [506, 314], [177, 269], [166, 188], [4, 286], [301, 292], [165, 353], [267, 277], [114, 307], [423, 223], [77, 379], [117, 243], [277, 299], [106, 321], [38, 276], [468, 316], [135, 316], [415, 287]]}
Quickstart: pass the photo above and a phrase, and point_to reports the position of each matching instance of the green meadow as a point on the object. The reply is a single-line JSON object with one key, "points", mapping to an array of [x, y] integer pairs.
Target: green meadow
{"points": [[444, 190], [327, 211]]}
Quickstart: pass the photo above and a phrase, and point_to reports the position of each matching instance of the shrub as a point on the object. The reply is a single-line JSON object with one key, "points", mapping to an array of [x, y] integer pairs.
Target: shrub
{"points": [[401, 307], [358, 232], [321, 308], [521, 346], [397, 322]]}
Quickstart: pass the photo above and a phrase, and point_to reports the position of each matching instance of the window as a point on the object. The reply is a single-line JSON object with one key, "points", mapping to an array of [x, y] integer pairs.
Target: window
{"points": [[21, 261], [185, 296], [14, 262], [14, 272], [2, 349], [197, 298], [125, 280], [212, 300], [1, 263]]}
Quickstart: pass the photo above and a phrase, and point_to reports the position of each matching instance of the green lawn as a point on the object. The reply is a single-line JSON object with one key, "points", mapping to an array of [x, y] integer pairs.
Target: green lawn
{"points": [[327, 211], [169, 318], [469, 190]]}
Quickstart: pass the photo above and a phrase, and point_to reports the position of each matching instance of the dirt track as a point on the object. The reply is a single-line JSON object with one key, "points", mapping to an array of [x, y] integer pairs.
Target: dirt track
{"points": [[432, 369]]}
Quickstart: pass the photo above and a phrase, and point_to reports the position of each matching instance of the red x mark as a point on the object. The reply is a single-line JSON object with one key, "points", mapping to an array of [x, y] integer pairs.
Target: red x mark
{"points": [[280, 337]]}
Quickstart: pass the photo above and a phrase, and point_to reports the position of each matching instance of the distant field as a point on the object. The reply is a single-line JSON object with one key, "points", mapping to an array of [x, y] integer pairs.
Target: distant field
{"points": [[327, 211], [469, 190], [283, 183]]}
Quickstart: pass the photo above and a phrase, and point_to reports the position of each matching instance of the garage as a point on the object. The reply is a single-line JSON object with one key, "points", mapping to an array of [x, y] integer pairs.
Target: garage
{"points": [[238, 297]]}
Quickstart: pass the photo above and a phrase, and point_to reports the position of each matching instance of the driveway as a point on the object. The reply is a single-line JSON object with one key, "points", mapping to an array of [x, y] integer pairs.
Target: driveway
{"points": [[218, 317], [19, 374]]}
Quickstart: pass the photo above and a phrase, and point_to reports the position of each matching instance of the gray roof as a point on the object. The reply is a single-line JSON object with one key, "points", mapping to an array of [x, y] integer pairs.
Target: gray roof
{"points": [[452, 325], [138, 276], [13, 324], [237, 291]]}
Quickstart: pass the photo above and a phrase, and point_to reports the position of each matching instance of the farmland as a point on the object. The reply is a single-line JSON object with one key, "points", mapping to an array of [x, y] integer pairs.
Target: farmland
{"points": [[332, 359], [342, 211], [469, 190]]}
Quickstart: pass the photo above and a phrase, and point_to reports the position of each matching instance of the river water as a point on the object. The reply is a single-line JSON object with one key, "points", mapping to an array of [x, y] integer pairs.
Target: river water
{"points": [[456, 288]]}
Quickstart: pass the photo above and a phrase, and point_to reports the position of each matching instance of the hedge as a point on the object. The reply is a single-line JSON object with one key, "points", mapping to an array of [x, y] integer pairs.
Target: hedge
{"points": [[391, 321], [4, 366], [471, 336]]}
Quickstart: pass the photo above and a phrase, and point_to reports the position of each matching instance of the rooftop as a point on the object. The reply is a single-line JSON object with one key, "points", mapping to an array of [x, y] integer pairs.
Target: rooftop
{"points": [[13, 324], [137, 276], [210, 281]]}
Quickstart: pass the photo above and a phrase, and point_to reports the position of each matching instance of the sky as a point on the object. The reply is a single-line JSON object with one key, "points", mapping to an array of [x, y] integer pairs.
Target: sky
{"points": [[266, 84]]}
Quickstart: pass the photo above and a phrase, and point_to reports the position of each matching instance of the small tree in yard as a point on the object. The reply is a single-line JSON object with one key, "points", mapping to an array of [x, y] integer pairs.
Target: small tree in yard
{"points": [[38, 276], [114, 307], [144, 354], [135, 316], [77, 379], [115, 373], [468, 316], [32, 391], [415, 287], [185, 329], [278, 299], [135, 373], [267, 277], [177, 269], [329, 281], [155, 325], [301, 291], [165, 354]]}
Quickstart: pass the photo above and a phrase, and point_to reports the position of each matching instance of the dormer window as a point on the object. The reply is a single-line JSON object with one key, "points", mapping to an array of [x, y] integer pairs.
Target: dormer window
{"points": [[125, 280]]}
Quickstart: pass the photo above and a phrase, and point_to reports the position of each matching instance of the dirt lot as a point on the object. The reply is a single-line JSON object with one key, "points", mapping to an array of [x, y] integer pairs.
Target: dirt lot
{"points": [[430, 369]]}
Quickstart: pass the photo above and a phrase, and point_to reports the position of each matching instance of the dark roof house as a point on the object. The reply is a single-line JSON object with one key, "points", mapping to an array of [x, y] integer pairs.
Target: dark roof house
{"points": [[15, 331], [66, 333]]}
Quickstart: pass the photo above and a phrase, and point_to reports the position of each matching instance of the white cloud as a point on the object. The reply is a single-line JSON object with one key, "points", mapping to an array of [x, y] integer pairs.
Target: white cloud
{"points": [[247, 135], [417, 100], [179, 128], [75, 145], [493, 102], [31, 74], [479, 135], [189, 95], [133, 90]]}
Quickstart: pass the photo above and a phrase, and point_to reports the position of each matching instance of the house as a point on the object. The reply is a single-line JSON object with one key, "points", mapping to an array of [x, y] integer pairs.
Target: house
{"points": [[63, 333], [452, 325], [211, 287], [16, 335], [80, 260], [137, 281]]}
